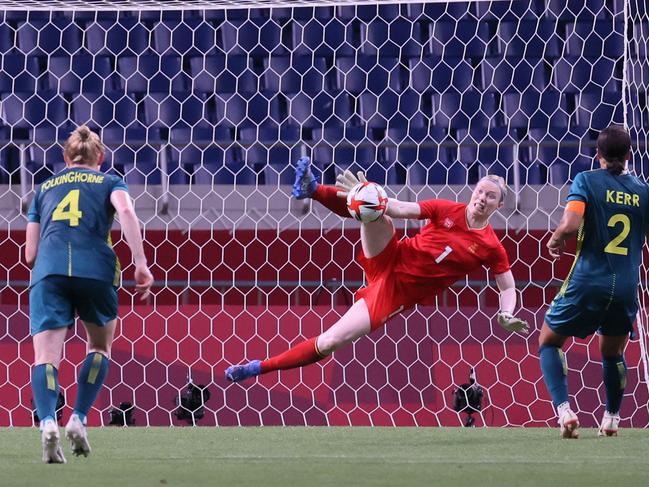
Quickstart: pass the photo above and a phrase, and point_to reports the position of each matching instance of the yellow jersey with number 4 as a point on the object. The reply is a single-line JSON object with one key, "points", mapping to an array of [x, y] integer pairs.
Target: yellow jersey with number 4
{"points": [[75, 213]]}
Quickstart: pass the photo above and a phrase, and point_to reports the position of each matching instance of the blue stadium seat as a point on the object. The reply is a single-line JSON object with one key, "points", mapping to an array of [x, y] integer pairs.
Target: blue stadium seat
{"points": [[529, 38], [531, 109], [19, 73], [556, 156], [112, 109], [270, 150], [580, 74], [7, 38], [26, 110], [365, 73], [487, 151], [466, 110], [221, 74], [366, 13], [45, 155], [149, 73], [435, 11], [285, 14], [391, 110], [189, 37], [598, 111], [436, 74], [239, 111], [324, 109], [128, 37], [390, 37], [588, 39], [289, 75], [338, 147], [313, 38], [640, 43], [423, 153], [81, 74], [55, 37], [504, 11], [252, 37], [204, 155], [465, 38], [238, 15], [580, 9], [513, 74]]}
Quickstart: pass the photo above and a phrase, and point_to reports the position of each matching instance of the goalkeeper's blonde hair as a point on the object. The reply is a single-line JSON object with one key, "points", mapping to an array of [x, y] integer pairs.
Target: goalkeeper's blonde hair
{"points": [[498, 181]]}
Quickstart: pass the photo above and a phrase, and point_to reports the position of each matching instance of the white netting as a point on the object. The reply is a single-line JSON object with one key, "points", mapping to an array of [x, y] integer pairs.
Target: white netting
{"points": [[203, 112]]}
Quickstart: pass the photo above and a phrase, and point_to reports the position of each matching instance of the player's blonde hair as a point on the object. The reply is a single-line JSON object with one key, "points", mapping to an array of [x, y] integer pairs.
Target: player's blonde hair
{"points": [[83, 146], [498, 181]]}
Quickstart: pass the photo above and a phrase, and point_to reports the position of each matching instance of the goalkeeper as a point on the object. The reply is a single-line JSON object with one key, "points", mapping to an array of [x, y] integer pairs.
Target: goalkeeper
{"points": [[402, 273]]}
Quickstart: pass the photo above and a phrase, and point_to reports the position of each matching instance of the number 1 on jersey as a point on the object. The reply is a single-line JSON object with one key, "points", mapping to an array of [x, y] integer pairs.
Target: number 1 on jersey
{"points": [[68, 209]]}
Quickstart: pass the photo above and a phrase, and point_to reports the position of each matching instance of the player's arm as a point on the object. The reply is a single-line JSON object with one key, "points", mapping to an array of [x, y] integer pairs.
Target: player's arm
{"points": [[569, 225], [123, 205], [507, 290], [32, 239], [346, 180]]}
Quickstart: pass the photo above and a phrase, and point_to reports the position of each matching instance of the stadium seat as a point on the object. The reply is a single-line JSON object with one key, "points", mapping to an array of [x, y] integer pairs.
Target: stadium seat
{"points": [[45, 155], [189, 37], [128, 37], [558, 155], [313, 38], [423, 154], [19, 73], [580, 9], [487, 151], [289, 75], [364, 73], [339, 147], [366, 13], [579, 74], [536, 38], [436, 74], [465, 38], [238, 111], [251, 37], [283, 15], [513, 74], [508, 10], [221, 74], [391, 37], [392, 110], [464, 110], [531, 109], [319, 111], [270, 150], [7, 38], [640, 43], [599, 111], [26, 110], [433, 11], [112, 109], [598, 39], [58, 36], [149, 73], [81, 74]]}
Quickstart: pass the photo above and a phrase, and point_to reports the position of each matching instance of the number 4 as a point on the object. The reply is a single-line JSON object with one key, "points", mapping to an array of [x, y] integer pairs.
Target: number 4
{"points": [[68, 209]]}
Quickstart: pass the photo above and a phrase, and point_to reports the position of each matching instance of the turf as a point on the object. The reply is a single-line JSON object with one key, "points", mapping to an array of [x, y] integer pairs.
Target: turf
{"points": [[286, 457]]}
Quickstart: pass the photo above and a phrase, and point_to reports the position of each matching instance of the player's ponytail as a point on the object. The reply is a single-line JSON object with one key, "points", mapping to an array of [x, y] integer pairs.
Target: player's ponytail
{"points": [[614, 146], [83, 146]]}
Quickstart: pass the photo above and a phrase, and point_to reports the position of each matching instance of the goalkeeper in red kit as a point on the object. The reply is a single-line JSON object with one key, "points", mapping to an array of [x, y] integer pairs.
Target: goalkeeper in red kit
{"points": [[402, 273]]}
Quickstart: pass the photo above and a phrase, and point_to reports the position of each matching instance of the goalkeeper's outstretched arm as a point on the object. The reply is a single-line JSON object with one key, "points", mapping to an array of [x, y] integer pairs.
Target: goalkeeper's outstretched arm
{"points": [[506, 319]]}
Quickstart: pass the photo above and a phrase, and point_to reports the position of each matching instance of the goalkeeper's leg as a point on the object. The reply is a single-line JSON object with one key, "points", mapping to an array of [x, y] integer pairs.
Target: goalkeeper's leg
{"points": [[306, 186], [555, 375], [354, 324], [614, 371]]}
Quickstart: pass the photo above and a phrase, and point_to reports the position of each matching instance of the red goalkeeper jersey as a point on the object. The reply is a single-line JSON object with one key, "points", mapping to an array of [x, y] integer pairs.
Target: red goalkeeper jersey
{"points": [[446, 249]]}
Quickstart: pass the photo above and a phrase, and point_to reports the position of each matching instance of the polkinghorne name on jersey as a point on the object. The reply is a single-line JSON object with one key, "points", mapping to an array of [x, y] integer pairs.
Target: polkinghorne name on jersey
{"points": [[622, 198], [72, 177]]}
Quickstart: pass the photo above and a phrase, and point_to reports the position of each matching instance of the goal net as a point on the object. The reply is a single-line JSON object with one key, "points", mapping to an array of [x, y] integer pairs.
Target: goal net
{"points": [[205, 106]]}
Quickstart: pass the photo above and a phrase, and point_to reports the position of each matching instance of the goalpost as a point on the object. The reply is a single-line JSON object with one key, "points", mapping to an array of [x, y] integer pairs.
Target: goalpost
{"points": [[204, 106]]}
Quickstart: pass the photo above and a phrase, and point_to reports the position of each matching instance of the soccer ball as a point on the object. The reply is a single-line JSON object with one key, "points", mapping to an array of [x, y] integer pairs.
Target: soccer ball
{"points": [[367, 202]]}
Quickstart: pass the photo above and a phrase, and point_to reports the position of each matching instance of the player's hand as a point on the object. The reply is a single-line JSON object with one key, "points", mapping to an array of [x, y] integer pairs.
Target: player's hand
{"points": [[346, 180], [510, 323], [143, 281], [555, 248]]}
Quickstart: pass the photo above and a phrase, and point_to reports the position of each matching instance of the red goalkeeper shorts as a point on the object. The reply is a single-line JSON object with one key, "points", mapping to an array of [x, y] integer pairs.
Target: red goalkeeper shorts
{"points": [[388, 293]]}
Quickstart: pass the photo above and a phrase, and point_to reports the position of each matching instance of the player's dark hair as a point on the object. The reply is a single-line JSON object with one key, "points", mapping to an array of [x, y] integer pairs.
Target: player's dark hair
{"points": [[614, 145], [83, 146]]}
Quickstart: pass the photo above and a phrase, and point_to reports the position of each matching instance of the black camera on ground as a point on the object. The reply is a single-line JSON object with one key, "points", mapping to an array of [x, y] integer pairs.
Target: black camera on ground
{"points": [[122, 415], [467, 398], [191, 403]]}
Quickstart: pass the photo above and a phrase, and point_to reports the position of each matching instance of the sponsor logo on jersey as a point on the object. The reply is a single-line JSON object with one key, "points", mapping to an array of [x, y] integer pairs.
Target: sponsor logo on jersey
{"points": [[448, 223]]}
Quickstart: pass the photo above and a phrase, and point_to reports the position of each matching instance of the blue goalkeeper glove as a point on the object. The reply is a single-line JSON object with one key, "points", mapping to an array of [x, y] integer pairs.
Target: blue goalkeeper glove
{"points": [[510, 323]]}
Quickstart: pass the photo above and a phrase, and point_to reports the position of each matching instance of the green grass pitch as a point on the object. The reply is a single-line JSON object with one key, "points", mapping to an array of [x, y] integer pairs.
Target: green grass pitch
{"points": [[313, 457]]}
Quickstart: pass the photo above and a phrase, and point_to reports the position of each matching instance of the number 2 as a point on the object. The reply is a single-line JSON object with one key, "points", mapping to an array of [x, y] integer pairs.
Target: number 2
{"points": [[68, 209], [613, 246]]}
